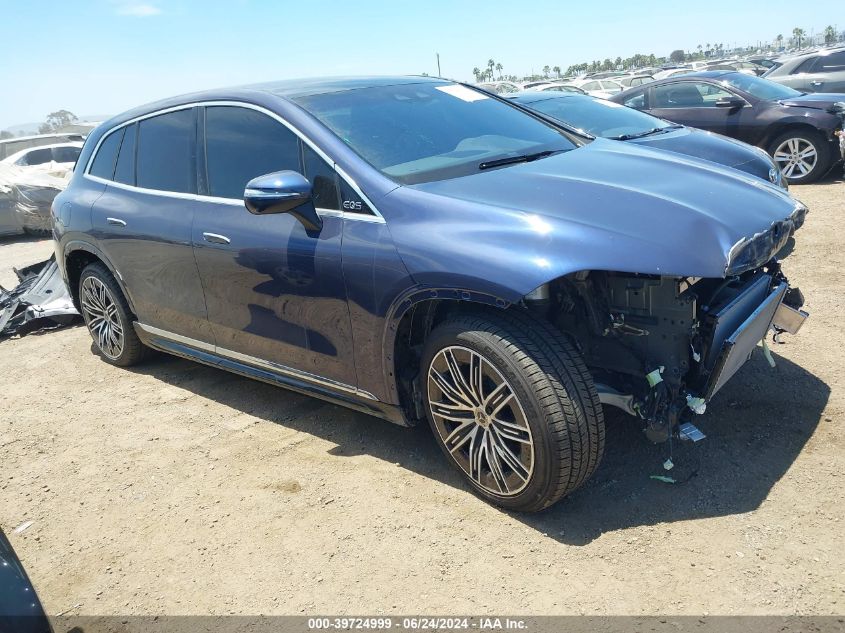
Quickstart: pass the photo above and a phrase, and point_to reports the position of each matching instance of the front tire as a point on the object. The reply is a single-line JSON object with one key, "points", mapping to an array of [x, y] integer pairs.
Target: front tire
{"points": [[513, 407], [803, 156], [108, 318]]}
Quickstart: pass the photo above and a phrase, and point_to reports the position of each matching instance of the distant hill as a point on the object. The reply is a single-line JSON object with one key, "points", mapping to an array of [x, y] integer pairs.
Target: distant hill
{"points": [[27, 129]]}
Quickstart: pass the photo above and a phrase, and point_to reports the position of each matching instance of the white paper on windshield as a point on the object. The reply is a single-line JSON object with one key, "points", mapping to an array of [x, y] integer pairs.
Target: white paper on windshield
{"points": [[462, 92]]}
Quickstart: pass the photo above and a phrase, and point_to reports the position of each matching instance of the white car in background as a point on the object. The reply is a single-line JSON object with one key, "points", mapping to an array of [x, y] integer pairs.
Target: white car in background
{"points": [[57, 153], [602, 88]]}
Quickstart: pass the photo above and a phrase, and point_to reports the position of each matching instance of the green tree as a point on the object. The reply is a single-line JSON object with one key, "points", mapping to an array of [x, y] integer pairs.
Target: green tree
{"points": [[798, 34], [490, 66], [556, 70], [779, 40], [477, 72], [6, 134], [829, 35], [56, 120], [677, 55], [499, 68], [546, 70]]}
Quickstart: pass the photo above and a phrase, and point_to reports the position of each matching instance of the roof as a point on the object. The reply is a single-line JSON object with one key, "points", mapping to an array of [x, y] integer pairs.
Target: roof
{"points": [[290, 89], [534, 96]]}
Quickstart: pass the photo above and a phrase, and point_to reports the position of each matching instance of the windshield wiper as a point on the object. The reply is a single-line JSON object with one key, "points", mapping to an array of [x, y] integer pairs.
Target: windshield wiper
{"points": [[655, 130], [522, 158]]}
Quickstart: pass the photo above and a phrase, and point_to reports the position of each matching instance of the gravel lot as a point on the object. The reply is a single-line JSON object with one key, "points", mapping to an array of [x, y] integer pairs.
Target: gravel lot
{"points": [[173, 488]]}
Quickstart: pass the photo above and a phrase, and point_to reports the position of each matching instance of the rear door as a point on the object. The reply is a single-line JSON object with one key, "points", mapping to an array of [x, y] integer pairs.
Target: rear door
{"points": [[275, 291], [143, 220]]}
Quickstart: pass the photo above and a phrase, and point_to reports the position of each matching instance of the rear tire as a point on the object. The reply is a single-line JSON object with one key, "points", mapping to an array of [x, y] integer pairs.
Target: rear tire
{"points": [[512, 405], [803, 156], [108, 318]]}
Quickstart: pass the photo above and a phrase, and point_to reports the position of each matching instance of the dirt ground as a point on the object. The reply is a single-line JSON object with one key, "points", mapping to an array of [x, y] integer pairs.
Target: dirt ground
{"points": [[173, 488]]}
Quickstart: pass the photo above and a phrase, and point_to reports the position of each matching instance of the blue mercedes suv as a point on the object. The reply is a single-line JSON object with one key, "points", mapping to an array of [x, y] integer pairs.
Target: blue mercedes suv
{"points": [[421, 250]]}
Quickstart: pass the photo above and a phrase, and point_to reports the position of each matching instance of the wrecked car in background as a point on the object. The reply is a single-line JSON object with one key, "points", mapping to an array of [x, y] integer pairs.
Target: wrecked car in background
{"points": [[29, 181], [39, 301], [421, 250]]}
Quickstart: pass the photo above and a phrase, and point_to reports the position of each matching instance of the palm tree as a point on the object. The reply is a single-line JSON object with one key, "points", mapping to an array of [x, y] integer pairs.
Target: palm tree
{"points": [[779, 40], [499, 68], [829, 35], [477, 73], [798, 34], [546, 70], [490, 66], [556, 70]]}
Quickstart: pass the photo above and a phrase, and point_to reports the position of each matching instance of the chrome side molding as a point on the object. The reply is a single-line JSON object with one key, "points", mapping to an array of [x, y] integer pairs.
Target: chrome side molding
{"points": [[260, 363]]}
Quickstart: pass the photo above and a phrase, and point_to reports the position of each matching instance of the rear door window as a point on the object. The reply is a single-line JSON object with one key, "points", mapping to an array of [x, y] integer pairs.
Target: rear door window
{"points": [[103, 165], [240, 144], [166, 154], [835, 62], [66, 154]]}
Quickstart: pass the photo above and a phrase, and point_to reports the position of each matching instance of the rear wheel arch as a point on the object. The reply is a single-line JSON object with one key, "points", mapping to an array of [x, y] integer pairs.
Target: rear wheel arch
{"points": [[78, 255]]}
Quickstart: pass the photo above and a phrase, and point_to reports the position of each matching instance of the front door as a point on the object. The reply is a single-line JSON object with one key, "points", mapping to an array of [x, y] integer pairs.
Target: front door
{"points": [[693, 103], [274, 291]]}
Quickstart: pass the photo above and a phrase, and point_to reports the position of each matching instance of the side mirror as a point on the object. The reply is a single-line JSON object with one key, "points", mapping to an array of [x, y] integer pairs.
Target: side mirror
{"points": [[282, 192], [730, 102]]}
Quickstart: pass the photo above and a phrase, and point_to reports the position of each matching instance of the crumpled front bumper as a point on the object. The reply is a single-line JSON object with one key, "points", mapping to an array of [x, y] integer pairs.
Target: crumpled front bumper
{"points": [[737, 327]]}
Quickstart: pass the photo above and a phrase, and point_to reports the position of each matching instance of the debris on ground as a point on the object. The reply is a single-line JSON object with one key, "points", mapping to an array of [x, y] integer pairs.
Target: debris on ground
{"points": [[40, 301]]}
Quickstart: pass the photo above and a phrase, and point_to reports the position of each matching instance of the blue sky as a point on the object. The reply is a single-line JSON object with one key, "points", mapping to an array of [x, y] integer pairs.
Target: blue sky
{"points": [[105, 56]]}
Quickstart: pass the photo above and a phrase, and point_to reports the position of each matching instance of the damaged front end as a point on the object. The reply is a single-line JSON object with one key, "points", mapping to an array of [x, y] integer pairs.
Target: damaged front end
{"points": [[660, 347]]}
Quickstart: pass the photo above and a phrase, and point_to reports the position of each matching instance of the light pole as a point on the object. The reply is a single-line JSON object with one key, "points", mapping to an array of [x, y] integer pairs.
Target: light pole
{"points": [[438, 65]]}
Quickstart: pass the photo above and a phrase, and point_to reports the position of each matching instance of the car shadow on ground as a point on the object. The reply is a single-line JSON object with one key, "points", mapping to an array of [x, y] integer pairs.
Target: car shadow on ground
{"points": [[756, 427]]}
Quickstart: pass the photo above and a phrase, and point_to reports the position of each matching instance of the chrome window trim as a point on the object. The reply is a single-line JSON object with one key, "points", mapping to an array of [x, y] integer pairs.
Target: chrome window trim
{"points": [[376, 218], [276, 368]]}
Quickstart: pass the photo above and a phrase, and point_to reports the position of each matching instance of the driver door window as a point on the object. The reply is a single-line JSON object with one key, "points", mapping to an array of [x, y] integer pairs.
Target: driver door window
{"points": [[688, 94]]}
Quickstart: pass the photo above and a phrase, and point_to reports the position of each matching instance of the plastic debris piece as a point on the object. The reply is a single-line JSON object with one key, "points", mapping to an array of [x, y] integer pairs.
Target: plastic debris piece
{"points": [[695, 355], [767, 353], [668, 464], [664, 479], [698, 405], [23, 526], [654, 378]]}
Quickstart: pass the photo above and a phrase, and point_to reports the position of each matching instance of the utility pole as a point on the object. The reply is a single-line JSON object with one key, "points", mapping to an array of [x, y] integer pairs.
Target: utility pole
{"points": [[438, 65]]}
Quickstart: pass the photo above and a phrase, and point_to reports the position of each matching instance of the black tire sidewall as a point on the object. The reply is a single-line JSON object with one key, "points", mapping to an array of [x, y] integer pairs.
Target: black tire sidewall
{"points": [[822, 154], [545, 459]]}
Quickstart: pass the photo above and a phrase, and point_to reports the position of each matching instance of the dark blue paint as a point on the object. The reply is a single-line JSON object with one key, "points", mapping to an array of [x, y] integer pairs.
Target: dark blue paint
{"points": [[20, 608], [328, 302]]}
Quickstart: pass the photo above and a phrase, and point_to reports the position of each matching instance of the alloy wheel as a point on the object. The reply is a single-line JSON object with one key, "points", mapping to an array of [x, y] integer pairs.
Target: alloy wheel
{"points": [[796, 157], [102, 317], [480, 421]]}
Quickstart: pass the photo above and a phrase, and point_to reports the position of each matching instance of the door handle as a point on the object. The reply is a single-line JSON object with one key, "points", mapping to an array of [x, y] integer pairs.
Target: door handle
{"points": [[816, 83], [116, 221], [215, 238]]}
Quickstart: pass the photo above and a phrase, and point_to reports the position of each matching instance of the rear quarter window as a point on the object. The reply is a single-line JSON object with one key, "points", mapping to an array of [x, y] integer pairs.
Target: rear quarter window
{"points": [[103, 165]]}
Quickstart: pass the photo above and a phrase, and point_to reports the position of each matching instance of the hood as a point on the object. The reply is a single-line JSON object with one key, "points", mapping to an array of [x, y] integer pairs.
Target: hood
{"points": [[605, 206], [712, 147], [816, 100]]}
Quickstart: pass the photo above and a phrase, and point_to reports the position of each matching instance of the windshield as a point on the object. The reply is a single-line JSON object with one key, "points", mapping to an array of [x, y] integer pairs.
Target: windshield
{"points": [[421, 132], [761, 88], [597, 116]]}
